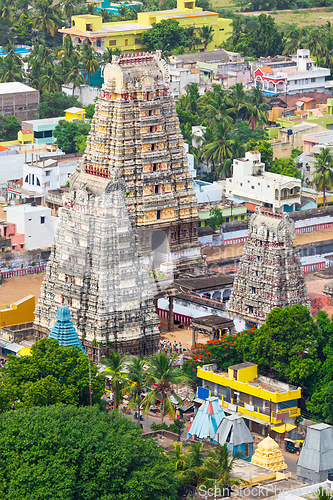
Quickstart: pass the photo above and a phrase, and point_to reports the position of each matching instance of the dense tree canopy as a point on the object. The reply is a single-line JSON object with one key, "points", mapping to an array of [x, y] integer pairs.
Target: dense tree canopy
{"points": [[65, 453], [51, 375], [71, 136], [54, 104], [9, 127]]}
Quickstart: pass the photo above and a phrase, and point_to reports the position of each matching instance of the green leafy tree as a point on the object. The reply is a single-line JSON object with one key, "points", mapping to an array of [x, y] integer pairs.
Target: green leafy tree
{"points": [[215, 217], [108, 54], [115, 364], [323, 174], [68, 135], [321, 403], [165, 34], [64, 452], [22, 30], [74, 74], [161, 377], [220, 148], [54, 104], [286, 166], [51, 80], [9, 127], [10, 70], [244, 133], [51, 375]]}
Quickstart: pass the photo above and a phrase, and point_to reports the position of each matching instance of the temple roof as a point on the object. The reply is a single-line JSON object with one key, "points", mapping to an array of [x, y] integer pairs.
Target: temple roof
{"points": [[235, 428], [64, 331], [208, 418]]}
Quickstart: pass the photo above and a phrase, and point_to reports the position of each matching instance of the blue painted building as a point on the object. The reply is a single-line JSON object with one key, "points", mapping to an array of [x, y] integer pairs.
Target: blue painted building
{"points": [[207, 420], [234, 431], [64, 331]]}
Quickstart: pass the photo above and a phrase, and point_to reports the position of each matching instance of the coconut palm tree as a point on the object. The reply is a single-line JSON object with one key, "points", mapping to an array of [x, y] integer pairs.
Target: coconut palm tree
{"points": [[323, 174], [10, 51], [177, 457], [68, 46], [74, 75], [124, 12], [68, 8], [115, 364], [108, 54], [260, 107], [238, 100], [90, 60], [217, 469], [51, 81], [193, 38], [194, 460], [46, 17], [10, 70], [206, 34], [162, 376], [215, 107], [220, 148], [137, 382], [7, 10]]}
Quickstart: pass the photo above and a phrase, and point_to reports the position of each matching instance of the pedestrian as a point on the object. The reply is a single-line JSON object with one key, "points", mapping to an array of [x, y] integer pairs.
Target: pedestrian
{"points": [[158, 350], [170, 349]]}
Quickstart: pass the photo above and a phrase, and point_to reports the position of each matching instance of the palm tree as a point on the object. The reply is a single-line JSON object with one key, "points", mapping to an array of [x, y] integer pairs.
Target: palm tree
{"points": [[68, 46], [137, 382], [108, 54], [74, 74], [217, 469], [260, 106], [124, 12], [161, 377], [206, 34], [177, 457], [194, 459], [323, 174], [10, 51], [7, 10], [46, 17], [51, 80], [90, 60], [191, 35], [68, 8], [239, 102], [215, 107], [10, 70], [220, 148], [115, 364]]}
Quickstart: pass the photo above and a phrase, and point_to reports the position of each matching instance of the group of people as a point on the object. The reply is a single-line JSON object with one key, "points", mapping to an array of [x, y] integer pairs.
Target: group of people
{"points": [[168, 347]]}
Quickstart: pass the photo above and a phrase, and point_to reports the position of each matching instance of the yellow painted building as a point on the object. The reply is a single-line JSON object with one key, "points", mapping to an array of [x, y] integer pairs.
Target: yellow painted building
{"points": [[19, 312], [75, 113], [125, 35], [260, 399]]}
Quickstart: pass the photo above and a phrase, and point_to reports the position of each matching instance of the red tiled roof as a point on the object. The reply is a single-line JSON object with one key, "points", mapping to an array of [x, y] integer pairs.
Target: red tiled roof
{"points": [[20, 181], [3, 148], [26, 131], [266, 69], [306, 99], [250, 207]]}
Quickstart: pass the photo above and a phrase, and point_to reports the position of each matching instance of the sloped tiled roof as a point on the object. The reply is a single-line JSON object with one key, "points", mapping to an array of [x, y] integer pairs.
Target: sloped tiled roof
{"points": [[208, 418]]}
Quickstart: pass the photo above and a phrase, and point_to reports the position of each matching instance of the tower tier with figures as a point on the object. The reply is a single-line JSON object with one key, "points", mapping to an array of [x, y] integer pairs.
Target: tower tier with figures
{"points": [[270, 273], [135, 129]]}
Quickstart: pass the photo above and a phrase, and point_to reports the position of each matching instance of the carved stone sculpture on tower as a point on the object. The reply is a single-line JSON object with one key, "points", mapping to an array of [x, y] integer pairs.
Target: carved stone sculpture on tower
{"points": [[270, 273]]}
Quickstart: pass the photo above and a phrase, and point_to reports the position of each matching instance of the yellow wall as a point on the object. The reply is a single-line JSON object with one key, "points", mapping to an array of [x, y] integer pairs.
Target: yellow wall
{"points": [[22, 138], [82, 21], [19, 312], [222, 379], [79, 115]]}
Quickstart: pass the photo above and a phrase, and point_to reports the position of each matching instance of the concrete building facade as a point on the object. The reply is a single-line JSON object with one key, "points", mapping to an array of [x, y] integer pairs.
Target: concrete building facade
{"points": [[19, 100]]}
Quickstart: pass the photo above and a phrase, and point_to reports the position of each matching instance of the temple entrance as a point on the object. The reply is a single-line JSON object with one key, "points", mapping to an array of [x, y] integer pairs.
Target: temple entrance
{"points": [[159, 248]]}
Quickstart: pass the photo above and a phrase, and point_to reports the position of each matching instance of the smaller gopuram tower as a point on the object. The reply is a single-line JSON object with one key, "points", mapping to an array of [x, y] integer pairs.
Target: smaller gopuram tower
{"points": [[270, 273]]}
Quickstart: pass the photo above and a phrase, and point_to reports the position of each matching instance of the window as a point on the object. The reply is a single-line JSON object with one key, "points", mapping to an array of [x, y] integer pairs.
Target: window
{"points": [[253, 290], [250, 309], [151, 129], [48, 173], [37, 181], [48, 133], [313, 80], [149, 112], [98, 43], [258, 258], [42, 220], [158, 214], [112, 42], [241, 184], [154, 167], [29, 219], [38, 135], [126, 43], [153, 147], [13, 247], [26, 179], [33, 179], [156, 189], [252, 187], [255, 273], [21, 245], [295, 82], [137, 41]]}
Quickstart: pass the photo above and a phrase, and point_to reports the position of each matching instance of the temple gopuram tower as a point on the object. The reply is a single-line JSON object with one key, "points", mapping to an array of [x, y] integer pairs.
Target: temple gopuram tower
{"points": [[270, 273], [135, 129]]}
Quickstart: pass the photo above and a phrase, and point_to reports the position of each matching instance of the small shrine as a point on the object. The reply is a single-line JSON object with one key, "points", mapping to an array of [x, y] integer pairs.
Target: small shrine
{"points": [[269, 455], [64, 331], [207, 420], [234, 431]]}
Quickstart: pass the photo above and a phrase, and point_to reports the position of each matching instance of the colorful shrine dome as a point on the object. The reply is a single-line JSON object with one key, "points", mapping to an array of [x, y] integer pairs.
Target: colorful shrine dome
{"points": [[208, 418], [269, 455], [63, 329]]}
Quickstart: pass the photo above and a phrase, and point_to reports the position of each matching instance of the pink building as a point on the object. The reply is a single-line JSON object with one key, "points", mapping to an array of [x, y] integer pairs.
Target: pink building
{"points": [[323, 139], [8, 230]]}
